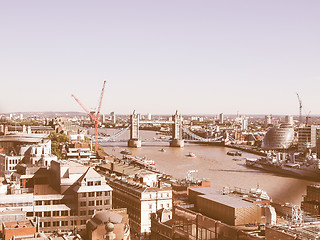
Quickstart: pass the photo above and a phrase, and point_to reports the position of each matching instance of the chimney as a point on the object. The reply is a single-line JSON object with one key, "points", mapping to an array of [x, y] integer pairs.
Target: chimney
{"points": [[112, 167]]}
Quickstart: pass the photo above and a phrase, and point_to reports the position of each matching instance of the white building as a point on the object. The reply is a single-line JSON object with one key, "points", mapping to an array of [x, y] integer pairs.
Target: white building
{"points": [[141, 198]]}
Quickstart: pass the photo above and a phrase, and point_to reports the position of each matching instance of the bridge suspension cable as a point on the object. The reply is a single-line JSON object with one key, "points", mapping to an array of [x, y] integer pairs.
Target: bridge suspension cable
{"points": [[195, 136], [115, 136]]}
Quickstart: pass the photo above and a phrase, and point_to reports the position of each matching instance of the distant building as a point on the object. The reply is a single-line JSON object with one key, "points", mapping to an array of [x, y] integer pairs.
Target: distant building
{"points": [[311, 201], [31, 148], [221, 118], [288, 119], [279, 137], [113, 117], [102, 118], [244, 123], [307, 137], [78, 150], [267, 121]]}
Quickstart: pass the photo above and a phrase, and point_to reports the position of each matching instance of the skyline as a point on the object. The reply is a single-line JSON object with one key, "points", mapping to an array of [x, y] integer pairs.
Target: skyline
{"points": [[198, 58]]}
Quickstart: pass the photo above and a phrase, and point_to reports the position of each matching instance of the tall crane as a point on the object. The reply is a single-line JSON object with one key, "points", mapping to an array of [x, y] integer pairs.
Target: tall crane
{"points": [[300, 109], [94, 116]]}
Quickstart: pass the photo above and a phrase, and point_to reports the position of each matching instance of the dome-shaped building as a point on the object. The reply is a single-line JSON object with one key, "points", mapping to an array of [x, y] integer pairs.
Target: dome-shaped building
{"points": [[112, 222], [279, 137]]}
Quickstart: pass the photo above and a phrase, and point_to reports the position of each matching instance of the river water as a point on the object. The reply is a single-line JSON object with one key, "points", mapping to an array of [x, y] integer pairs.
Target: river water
{"points": [[213, 163]]}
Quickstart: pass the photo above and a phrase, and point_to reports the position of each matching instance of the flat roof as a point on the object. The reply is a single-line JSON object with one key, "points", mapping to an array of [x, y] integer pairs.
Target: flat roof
{"points": [[204, 190], [228, 200], [19, 224], [23, 137]]}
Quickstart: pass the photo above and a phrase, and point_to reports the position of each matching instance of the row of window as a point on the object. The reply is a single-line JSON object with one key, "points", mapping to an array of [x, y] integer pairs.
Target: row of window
{"points": [[92, 183], [161, 206], [13, 161], [160, 195], [53, 213], [96, 194], [90, 212], [48, 202], [95, 203], [61, 223]]}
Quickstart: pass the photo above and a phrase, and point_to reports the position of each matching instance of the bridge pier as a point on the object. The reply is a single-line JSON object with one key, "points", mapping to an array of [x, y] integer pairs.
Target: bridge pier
{"points": [[177, 143], [134, 141], [177, 140]]}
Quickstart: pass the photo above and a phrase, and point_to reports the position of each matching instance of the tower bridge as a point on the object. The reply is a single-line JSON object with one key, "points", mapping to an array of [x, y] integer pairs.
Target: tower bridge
{"points": [[178, 130]]}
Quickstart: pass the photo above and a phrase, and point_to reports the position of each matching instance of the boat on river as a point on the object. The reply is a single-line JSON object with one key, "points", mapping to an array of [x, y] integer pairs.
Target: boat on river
{"points": [[191, 154], [234, 153], [305, 168]]}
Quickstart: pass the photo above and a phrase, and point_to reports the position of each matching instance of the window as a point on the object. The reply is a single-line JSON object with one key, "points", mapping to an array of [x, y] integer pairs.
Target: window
{"points": [[38, 203], [55, 223], [91, 194], [99, 194], [91, 203], [47, 202], [90, 212], [47, 224], [73, 222], [82, 213], [64, 223], [98, 183], [29, 214], [55, 213], [84, 194], [83, 204], [107, 193], [47, 214], [83, 222], [38, 214], [64, 213], [90, 183], [99, 202], [106, 202]]}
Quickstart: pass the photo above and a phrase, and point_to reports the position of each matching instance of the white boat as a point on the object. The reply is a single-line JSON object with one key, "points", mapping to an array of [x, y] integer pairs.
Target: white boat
{"points": [[191, 154]]}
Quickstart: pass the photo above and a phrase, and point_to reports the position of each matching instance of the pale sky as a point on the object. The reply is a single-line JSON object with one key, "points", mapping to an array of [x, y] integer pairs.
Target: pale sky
{"points": [[200, 57]]}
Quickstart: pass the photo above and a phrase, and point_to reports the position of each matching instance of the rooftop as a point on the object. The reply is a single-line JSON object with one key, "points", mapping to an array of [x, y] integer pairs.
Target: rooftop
{"points": [[18, 224], [228, 200], [23, 137]]}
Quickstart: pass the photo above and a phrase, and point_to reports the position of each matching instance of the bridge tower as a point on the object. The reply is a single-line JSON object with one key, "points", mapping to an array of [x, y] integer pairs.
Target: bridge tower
{"points": [[177, 140], [134, 140]]}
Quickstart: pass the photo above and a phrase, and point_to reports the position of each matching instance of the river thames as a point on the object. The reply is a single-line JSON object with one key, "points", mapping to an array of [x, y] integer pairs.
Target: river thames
{"points": [[212, 163]]}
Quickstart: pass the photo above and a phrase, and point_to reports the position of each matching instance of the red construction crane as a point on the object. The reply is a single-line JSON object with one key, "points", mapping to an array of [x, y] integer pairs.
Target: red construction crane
{"points": [[95, 118]]}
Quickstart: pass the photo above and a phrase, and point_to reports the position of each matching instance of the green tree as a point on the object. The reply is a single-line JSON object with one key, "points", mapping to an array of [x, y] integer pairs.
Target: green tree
{"points": [[57, 141]]}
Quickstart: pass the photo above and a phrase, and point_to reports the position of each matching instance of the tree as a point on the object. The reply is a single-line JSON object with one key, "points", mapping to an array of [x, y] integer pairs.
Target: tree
{"points": [[57, 141]]}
